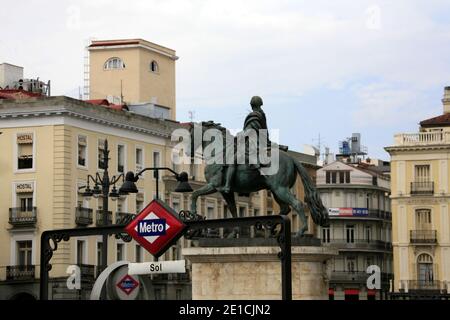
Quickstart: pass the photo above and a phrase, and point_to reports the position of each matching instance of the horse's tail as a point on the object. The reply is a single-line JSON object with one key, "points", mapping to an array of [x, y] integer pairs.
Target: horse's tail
{"points": [[318, 211]]}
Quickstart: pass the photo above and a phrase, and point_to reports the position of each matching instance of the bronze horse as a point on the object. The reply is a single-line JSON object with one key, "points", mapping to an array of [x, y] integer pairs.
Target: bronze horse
{"points": [[248, 179]]}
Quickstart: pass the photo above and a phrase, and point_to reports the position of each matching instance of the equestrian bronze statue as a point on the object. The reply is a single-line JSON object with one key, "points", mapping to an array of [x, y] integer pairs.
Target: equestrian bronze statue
{"points": [[233, 177]]}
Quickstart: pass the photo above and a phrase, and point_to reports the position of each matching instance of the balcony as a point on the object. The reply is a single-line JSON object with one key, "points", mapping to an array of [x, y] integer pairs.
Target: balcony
{"points": [[362, 244], [83, 216], [423, 236], [21, 217], [359, 277], [422, 188], [424, 285], [99, 218], [87, 271], [25, 272], [121, 215], [421, 139]]}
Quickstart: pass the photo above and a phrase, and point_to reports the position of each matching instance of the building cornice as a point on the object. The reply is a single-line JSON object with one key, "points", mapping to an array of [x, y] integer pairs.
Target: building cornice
{"points": [[351, 186], [396, 149], [68, 107]]}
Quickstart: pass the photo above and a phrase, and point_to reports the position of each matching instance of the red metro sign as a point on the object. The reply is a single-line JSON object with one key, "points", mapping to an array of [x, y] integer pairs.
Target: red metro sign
{"points": [[156, 227]]}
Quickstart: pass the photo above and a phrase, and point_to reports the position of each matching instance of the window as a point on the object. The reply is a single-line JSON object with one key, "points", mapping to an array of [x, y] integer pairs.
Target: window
{"points": [[256, 212], [26, 202], [100, 150], [24, 151], [209, 212], [423, 219], [241, 212], [139, 202], [120, 251], [326, 235], [80, 251], [120, 158], [138, 253], [158, 294], [337, 177], [179, 295], [176, 205], [99, 253], [351, 264], [114, 63], [350, 232], [425, 269], [139, 159], [156, 162], [422, 173], [368, 233], [121, 205], [82, 151], [24, 252], [154, 66]]}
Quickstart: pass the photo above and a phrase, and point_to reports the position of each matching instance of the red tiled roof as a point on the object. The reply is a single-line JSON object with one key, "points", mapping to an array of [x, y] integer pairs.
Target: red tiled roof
{"points": [[16, 94], [442, 120], [105, 103]]}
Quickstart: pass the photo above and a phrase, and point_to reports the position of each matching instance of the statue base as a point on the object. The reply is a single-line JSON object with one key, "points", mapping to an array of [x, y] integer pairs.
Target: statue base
{"points": [[235, 269]]}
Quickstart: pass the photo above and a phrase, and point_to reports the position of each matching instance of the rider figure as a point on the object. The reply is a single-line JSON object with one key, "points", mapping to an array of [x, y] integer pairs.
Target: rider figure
{"points": [[255, 120]]}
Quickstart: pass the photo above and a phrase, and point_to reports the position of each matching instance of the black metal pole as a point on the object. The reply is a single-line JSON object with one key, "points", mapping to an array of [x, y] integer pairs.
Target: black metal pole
{"points": [[157, 182], [105, 192], [44, 269], [286, 257]]}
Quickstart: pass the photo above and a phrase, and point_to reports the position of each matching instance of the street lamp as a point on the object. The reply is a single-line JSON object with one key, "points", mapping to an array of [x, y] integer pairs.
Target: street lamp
{"points": [[105, 183], [129, 185]]}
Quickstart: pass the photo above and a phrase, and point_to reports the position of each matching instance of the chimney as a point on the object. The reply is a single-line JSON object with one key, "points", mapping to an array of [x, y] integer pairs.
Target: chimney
{"points": [[446, 100]]}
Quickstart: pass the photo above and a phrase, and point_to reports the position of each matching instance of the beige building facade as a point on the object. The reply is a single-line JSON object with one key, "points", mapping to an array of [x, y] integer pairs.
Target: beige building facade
{"points": [[135, 72], [420, 206]]}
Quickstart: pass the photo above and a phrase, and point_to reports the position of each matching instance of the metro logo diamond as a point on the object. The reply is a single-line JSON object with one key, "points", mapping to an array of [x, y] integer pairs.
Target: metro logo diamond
{"points": [[156, 227], [127, 284]]}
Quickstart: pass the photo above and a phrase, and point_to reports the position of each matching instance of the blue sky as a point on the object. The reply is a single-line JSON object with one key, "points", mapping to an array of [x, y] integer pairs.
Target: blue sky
{"points": [[322, 67]]}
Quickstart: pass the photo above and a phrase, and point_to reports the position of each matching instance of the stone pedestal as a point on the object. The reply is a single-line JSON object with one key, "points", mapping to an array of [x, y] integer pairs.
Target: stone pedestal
{"points": [[254, 272]]}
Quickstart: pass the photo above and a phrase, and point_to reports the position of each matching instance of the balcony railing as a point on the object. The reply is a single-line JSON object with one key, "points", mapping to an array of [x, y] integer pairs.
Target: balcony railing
{"points": [[424, 285], [99, 218], [422, 188], [423, 236], [121, 215], [22, 217], [422, 138], [87, 271], [83, 216], [359, 244], [357, 276], [25, 272]]}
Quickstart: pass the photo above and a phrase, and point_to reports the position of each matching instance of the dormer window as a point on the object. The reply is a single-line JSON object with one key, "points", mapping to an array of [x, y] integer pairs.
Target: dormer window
{"points": [[114, 63], [154, 66]]}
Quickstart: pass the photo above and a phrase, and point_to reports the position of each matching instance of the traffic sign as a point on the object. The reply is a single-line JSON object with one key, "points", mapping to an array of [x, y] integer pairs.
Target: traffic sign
{"points": [[156, 227], [127, 284], [177, 266]]}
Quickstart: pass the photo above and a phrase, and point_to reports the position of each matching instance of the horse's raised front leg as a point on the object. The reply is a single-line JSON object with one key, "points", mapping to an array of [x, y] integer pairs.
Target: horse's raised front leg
{"points": [[203, 191], [285, 195]]}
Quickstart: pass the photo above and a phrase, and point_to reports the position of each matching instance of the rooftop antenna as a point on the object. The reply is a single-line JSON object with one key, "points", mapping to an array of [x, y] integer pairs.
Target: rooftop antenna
{"points": [[191, 115]]}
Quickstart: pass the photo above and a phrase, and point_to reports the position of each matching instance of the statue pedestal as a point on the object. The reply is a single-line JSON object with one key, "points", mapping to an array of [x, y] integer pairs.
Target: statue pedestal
{"points": [[254, 272]]}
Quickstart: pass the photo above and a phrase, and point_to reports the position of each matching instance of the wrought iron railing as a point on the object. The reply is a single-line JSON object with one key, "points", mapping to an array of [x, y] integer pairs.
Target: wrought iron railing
{"points": [[423, 236], [83, 216], [120, 216], [422, 188], [23, 272], [424, 285], [22, 216], [359, 244]]}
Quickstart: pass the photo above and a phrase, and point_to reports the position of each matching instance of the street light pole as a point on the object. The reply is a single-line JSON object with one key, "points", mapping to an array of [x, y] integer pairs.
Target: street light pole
{"points": [[105, 191]]}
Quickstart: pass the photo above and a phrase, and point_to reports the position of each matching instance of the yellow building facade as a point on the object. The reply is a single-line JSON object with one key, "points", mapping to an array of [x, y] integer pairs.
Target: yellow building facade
{"points": [[133, 71], [420, 193]]}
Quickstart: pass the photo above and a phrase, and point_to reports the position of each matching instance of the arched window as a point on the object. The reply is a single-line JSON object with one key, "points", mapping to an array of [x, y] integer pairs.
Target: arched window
{"points": [[114, 63], [154, 66], [425, 269]]}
